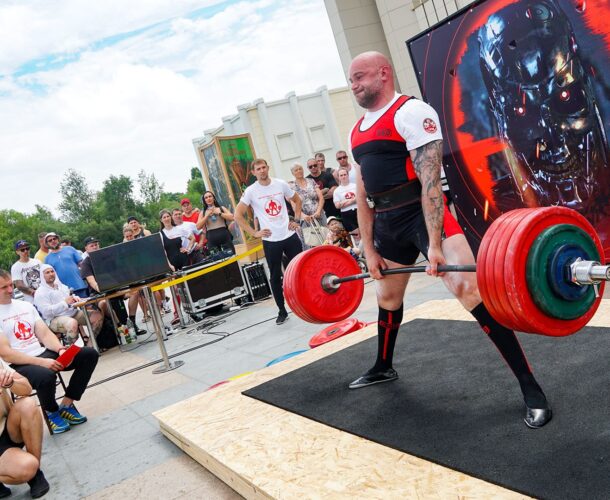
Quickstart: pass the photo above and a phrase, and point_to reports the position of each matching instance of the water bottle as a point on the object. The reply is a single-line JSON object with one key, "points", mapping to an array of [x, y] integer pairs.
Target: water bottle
{"points": [[132, 331]]}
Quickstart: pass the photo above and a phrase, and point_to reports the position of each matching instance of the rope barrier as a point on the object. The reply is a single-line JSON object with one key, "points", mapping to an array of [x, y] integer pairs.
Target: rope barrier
{"points": [[207, 269]]}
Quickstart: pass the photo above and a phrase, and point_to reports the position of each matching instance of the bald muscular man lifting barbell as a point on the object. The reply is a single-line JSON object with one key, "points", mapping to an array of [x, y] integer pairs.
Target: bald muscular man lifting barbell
{"points": [[401, 212]]}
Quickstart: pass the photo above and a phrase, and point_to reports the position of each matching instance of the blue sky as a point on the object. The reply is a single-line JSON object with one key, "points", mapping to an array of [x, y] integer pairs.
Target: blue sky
{"points": [[113, 87]]}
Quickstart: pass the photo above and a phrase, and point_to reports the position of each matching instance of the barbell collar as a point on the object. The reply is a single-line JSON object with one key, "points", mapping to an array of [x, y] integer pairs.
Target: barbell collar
{"points": [[588, 272]]}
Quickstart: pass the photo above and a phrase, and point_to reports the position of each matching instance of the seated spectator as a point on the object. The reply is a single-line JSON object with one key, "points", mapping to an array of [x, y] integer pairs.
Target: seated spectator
{"points": [[339, 237], [66, 262], [21, 425], [32, 350], [54, 302], [26, 271], [139, 231]]}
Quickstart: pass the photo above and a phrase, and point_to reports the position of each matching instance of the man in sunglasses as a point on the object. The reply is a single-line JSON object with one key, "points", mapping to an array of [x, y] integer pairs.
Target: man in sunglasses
{"points": [[343, 161], [66, 262], [327, 184], [25, 273]]}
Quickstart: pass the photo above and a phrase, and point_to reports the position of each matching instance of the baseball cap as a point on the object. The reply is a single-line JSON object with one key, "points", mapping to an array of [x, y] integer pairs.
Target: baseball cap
{"points": [[50, 235], [332, 218], [90, 239], [184, 200], [132, 217], [21, 243]]}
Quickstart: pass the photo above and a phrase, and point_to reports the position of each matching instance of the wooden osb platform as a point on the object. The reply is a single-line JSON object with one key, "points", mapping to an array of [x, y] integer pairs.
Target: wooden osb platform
{"points": [[264, 452]]}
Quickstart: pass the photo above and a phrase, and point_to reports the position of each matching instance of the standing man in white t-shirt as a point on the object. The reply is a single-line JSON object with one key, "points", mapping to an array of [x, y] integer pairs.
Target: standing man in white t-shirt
{"points": [[267, 197], [25, 272], [398, 146]]}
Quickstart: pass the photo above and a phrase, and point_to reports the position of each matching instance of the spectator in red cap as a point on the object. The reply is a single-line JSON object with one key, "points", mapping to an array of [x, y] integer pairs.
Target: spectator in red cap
{"points": [[191, 214]]}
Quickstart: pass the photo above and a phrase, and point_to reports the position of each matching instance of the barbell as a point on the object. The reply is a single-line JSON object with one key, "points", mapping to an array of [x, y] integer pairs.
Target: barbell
{"points": [[538, 271]]}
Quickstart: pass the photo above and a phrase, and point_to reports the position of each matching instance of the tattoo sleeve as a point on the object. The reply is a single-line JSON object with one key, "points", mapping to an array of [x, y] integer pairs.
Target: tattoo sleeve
{"points": [[427, 161]]}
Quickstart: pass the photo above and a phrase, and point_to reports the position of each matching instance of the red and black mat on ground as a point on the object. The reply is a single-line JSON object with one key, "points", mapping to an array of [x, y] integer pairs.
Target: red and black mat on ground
{"points": [[457, 404]]}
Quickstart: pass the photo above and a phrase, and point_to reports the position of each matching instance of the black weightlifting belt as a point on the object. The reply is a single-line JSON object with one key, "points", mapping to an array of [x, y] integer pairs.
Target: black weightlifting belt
{"points": [[397, 197]]}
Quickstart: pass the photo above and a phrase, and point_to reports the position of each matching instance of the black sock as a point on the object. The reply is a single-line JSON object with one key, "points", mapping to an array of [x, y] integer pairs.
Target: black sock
{"points": [[510, 349], [133, 320], [388, 324]]}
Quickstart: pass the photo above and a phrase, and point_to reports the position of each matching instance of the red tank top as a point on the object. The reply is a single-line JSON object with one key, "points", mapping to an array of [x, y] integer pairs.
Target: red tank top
{"points": [[382, 153]]}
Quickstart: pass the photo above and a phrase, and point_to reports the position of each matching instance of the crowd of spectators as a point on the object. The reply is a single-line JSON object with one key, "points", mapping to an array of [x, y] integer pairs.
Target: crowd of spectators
{"points": [[35, 331]]}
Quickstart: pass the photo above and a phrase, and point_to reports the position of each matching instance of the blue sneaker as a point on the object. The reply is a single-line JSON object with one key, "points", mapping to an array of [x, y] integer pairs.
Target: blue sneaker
{"points": [[71, 415], [58, 424]]}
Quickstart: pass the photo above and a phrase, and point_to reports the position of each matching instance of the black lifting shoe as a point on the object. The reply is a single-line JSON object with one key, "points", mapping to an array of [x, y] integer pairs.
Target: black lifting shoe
{"points": [[537, 417], [374, 377]]}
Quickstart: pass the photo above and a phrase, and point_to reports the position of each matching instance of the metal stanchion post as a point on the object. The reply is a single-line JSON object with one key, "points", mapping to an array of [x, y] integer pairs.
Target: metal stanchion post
{"points": [[90, 328], [178, 306], [159, 328]]}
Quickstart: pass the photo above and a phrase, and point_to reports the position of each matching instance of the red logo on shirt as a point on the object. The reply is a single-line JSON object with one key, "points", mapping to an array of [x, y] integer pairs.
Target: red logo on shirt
{"points": [[273, 208], [349, 195], [23, 330], [429, 125]]}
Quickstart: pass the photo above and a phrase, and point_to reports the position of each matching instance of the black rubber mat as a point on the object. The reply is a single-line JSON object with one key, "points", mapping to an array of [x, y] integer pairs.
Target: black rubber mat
{"points": [[456, 403]]}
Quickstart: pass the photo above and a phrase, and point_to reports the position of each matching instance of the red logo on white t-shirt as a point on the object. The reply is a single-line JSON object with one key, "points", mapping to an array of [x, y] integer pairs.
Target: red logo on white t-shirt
{"points": [[429, 125], [23, 330], [273, 208], [349, 195]]}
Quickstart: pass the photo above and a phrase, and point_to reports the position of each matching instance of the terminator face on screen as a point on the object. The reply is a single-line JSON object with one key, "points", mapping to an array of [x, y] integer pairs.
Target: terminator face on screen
{"points": [[543, 102]]}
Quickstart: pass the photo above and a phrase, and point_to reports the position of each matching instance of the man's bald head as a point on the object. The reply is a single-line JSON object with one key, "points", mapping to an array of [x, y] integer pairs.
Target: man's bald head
{"points": [[372, 81]]}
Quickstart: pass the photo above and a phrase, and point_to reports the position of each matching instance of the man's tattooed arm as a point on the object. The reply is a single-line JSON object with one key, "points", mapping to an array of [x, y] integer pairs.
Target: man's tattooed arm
{"points": [[427, 161]]}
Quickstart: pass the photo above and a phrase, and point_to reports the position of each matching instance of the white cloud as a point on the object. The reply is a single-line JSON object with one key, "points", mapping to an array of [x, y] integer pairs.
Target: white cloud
{"points": [[130, 106]]}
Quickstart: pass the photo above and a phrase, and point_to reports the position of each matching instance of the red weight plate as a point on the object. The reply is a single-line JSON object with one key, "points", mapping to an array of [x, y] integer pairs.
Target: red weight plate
{"points": [[488, 260], [290, 285], [503, 271], [307, 297], [534, 320], [293, 301], [333, 332], [510, 274]]}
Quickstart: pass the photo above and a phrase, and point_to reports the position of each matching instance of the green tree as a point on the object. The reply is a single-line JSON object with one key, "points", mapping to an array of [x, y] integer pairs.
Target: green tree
{"points": [[195, 187], [77, 197], [117, 199], [150, 188]]}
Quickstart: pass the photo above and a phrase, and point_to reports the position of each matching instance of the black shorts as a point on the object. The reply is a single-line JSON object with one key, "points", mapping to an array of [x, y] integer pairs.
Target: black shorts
{"points": [[6, 442], [401, 234]]}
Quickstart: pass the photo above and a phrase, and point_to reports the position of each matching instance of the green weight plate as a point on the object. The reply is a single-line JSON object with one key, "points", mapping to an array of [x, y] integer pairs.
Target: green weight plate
{"points": [[538, 274]]}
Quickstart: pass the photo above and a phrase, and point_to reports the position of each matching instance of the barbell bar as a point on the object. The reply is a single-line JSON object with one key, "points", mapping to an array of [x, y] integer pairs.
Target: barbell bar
{"points": [[534, 268], [330, 282]]}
